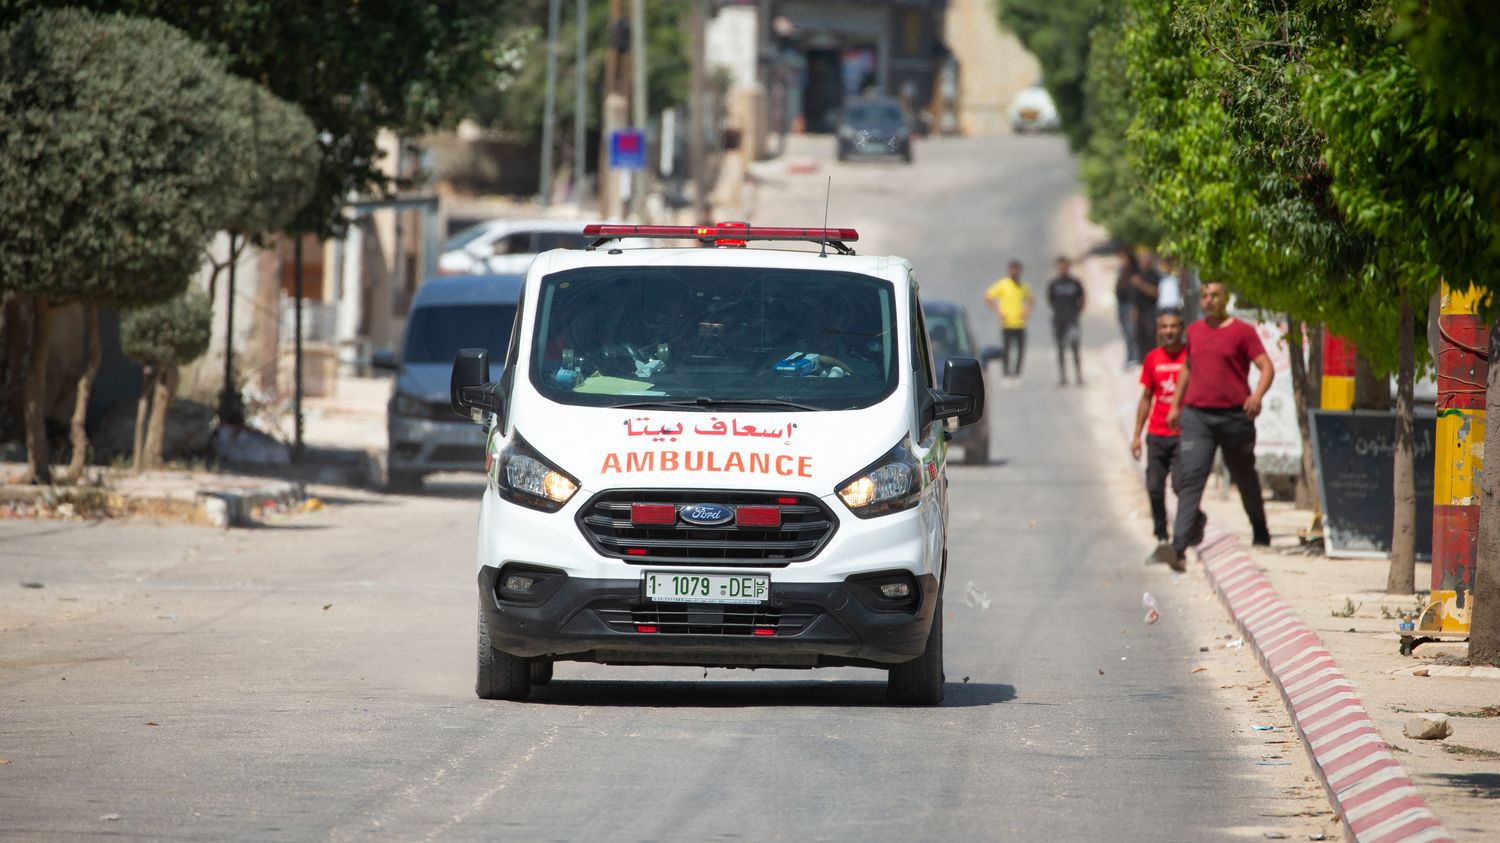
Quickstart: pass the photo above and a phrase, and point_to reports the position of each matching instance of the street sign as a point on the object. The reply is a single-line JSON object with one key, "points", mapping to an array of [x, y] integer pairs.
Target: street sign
{"points": [[627, 149]]}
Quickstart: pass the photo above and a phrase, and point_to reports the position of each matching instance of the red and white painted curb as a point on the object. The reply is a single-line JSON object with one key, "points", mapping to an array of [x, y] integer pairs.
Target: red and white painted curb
{"points": [[1365, 782]]}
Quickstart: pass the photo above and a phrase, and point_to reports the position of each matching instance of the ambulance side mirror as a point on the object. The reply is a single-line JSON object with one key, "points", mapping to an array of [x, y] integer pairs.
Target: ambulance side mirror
{"points": [[469, 389], [962, 397]]}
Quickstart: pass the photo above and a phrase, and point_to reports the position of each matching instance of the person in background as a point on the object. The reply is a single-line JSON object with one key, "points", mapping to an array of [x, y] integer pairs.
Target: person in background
{"points": [[1012, 302], [1066, 296], [1125, 305], [1213, 407], [1158, 385], [1168, 291], [1145, 283]]}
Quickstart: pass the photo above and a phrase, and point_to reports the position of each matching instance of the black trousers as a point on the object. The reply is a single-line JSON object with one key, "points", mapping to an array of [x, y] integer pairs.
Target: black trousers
{"points": [[1014, 345], [1161, 455], [1066, 335], [1202, 431]]}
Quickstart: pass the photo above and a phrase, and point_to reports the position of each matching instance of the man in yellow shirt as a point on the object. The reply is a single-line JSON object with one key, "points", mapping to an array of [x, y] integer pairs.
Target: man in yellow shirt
{"points": [[1012, 302]]}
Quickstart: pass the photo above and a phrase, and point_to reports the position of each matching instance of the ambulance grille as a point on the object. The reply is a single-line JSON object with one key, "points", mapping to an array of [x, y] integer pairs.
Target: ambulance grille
{"points": [[707, 619], [806, 525]]}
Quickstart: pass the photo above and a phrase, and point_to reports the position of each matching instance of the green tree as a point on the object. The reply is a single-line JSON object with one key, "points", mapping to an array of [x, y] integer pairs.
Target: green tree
{"points": [[512, 99], [1058, 33], [116, 161], [161, 338], [353, 68], [1455, 46]]}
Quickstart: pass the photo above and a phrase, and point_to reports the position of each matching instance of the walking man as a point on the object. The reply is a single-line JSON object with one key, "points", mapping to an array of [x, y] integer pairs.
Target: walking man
{"points": [[1067, 298], [1159, 383], [1012, 302], [1213, 407]]}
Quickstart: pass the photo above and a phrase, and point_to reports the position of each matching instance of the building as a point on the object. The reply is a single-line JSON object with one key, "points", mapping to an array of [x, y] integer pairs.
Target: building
{"points": [[819, 53]]}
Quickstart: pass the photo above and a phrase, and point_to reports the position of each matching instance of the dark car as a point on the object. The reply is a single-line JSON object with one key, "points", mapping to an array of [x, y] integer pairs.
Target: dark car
{"points": [[949, 335], [874, 126], [449, 313]]}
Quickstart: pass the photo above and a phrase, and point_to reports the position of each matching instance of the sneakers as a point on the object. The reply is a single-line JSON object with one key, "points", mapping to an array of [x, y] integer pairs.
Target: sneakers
{"points": [[1261, 537], [1176, 560], [1195, 535]]}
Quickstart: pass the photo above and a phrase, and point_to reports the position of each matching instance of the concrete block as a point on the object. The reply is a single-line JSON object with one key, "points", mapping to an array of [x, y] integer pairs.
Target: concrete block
{"points": [[1427, 727]]}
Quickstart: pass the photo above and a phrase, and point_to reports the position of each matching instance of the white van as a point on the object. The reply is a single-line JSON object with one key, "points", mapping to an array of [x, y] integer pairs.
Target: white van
{"points": [[722, 457]]}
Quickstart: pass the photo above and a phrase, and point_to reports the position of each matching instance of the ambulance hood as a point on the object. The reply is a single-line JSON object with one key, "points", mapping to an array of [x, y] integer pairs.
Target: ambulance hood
{"points": [[795, 451]]}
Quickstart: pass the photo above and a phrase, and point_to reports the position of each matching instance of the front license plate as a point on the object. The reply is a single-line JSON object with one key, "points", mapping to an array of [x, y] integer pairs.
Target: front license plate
{"points": [[679, 587]]}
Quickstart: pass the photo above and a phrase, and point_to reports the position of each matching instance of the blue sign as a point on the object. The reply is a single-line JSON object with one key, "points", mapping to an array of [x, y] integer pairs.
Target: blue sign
{"points": [[627, 149]]}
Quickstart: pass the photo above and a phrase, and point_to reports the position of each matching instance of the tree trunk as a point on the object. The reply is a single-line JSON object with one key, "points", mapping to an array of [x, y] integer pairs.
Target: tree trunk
{"points": [[1314, 396], [142, 413], [156, 430], [1402, 578], [1306, 479], [17, 336], [37, 462], [1371, 392], [1484, 623], [85, 387]]}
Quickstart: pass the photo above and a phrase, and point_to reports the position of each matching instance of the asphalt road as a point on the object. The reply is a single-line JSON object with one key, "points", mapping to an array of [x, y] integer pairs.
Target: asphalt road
{"points": [[314, 679]]}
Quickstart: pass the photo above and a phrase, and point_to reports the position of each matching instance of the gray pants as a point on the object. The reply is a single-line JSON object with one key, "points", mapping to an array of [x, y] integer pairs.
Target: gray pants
{"points": [[1202, 432]]}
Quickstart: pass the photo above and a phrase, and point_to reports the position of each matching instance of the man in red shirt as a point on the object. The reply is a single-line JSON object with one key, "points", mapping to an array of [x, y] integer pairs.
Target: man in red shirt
{"points": [[1214, 408], [1159, 384]]}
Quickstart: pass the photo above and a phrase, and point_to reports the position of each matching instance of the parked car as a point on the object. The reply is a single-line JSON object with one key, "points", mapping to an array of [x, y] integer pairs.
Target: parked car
{"points": [[506, 246], [950, 335], [448, 313], [1033, 111], [874, 126]]}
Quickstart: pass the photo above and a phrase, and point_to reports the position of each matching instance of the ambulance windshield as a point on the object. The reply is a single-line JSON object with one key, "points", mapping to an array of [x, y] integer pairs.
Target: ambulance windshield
{"points": [[628, 335]]}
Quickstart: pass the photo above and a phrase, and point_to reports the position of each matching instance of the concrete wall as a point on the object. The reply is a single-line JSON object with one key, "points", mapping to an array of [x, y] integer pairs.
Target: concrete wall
{"points": [[993, 66]]}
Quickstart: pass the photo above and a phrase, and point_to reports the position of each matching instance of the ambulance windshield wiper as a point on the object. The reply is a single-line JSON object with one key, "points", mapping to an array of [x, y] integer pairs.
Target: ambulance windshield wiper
{"points": [[706, 403]]}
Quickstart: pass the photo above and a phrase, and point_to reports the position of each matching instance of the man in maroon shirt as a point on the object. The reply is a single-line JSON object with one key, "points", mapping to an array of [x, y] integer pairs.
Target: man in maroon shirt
{"points": [[1214, 408], [1158, 385]]}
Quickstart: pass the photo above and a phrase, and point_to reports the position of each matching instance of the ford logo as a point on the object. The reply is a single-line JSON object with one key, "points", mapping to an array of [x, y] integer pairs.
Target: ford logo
{"points": [[706, 514]]}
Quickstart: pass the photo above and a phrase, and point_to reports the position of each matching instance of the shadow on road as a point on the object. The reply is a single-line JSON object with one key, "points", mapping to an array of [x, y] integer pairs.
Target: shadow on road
{"points": [[797, 693], [1483, 785]]}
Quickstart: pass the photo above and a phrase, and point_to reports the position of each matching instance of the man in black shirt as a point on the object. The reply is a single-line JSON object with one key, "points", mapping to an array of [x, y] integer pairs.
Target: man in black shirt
{"points": [[1066, 296]]}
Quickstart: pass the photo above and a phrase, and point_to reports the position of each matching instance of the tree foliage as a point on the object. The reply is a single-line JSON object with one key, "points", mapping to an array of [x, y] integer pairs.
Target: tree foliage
{"points": [[353, 68], [1058, 33], [512, 99], [114, 155], [175, 331]]}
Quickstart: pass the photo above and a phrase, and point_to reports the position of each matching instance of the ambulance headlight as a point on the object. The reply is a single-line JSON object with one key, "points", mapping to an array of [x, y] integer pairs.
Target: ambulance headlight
{"points": [[527, 478], [892, 483]]}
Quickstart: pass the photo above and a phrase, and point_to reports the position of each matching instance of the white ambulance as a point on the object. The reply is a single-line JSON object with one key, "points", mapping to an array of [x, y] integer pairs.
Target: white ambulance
{"points": [[721, 457]]}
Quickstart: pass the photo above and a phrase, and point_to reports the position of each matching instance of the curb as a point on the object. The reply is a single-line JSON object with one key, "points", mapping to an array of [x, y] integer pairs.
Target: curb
{"points": [[225, 509], [1366, 784]]}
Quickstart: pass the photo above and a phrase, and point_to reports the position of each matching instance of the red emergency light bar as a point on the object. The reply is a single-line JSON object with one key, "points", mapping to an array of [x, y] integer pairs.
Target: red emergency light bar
{"points": [[724, 233]]}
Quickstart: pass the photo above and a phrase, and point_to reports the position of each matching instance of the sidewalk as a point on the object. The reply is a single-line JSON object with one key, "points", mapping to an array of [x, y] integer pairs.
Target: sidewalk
{"points": [[344, 437], [1326, 634]]}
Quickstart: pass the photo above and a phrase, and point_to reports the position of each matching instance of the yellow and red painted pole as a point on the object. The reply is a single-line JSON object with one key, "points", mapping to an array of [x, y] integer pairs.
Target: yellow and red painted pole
{"points": [[1337, 392], [1462, 372]]}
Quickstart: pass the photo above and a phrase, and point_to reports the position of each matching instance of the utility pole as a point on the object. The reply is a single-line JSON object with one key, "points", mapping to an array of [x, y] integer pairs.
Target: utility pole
{"points": [[297, 294], [580, 99], [549, 109], [638, 103], [697, 83], [613, 106]]}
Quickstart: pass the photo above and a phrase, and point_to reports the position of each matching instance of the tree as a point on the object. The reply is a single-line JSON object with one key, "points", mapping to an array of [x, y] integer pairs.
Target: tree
{"points": [[353, 68], [162, 337], [512, 99], [1455, 47], [1058, 32], [116, 161]]}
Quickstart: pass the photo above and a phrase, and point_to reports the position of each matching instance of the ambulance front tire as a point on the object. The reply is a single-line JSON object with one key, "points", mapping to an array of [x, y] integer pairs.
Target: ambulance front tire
{"points": [[501, 676], [920, 681]]}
